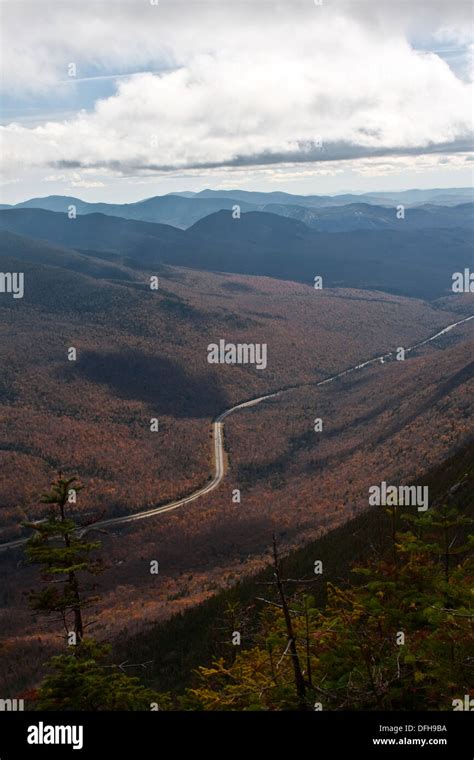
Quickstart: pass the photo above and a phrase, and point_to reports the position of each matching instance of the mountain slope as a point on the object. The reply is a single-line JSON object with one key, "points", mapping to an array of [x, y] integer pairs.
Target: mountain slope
{"points": [[92, 231], [416, 263], [34, 251], [176, 647]]}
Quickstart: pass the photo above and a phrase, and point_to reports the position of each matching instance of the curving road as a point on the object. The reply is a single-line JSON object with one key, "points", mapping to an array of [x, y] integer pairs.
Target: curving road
{"points": [[218, 439]]}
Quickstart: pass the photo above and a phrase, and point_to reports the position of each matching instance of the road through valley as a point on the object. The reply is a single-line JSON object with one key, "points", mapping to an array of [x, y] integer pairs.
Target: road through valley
{"points": [[218, 440]]}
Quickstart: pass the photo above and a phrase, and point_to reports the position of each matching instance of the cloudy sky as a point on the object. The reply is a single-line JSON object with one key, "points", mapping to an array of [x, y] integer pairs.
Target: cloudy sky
{"points": [[123, 100]]}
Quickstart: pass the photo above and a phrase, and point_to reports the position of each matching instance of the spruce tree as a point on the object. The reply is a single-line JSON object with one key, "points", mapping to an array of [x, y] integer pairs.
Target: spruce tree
{"points": [[64, 554], [83, 678]]}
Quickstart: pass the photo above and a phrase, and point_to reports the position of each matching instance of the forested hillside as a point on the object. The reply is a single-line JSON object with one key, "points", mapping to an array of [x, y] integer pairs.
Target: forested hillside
{"points": [[374, 615], [384, 571]]}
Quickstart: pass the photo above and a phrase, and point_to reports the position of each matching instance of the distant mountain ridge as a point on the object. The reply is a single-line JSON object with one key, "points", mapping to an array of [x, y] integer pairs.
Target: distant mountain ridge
{"points": [[355, 216], [446, 196], [428, 208]]}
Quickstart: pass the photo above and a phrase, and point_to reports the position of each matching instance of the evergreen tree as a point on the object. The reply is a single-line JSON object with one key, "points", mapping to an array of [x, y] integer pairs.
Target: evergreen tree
{"points": [[83, 678], [85, 681], [63, 554]]}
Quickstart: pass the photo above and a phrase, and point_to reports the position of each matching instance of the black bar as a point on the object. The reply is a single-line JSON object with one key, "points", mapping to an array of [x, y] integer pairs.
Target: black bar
{"points": [[317, 735]]}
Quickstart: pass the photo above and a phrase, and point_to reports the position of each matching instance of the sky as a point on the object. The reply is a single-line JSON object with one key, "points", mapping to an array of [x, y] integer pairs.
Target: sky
{"points": [[118, 101]]}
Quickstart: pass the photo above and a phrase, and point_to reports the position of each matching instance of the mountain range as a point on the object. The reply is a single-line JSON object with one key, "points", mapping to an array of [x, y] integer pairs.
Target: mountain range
{"points": [[323, 213]]}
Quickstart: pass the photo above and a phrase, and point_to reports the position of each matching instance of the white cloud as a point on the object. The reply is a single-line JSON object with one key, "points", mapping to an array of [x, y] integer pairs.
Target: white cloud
{"points": [[41, 37], [254, 84]]}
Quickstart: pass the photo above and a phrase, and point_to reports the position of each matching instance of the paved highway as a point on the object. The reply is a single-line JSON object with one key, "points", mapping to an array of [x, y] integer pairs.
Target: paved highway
{"points": [[218, 440]]}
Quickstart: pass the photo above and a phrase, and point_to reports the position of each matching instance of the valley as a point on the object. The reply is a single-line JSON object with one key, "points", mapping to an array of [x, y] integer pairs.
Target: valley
{"points": [[194, 464]]}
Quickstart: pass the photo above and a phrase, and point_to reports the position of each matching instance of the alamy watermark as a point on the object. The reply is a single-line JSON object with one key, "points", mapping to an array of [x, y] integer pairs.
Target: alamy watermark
{"points": [[393, 496], [237, 353], [45, 734]]}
